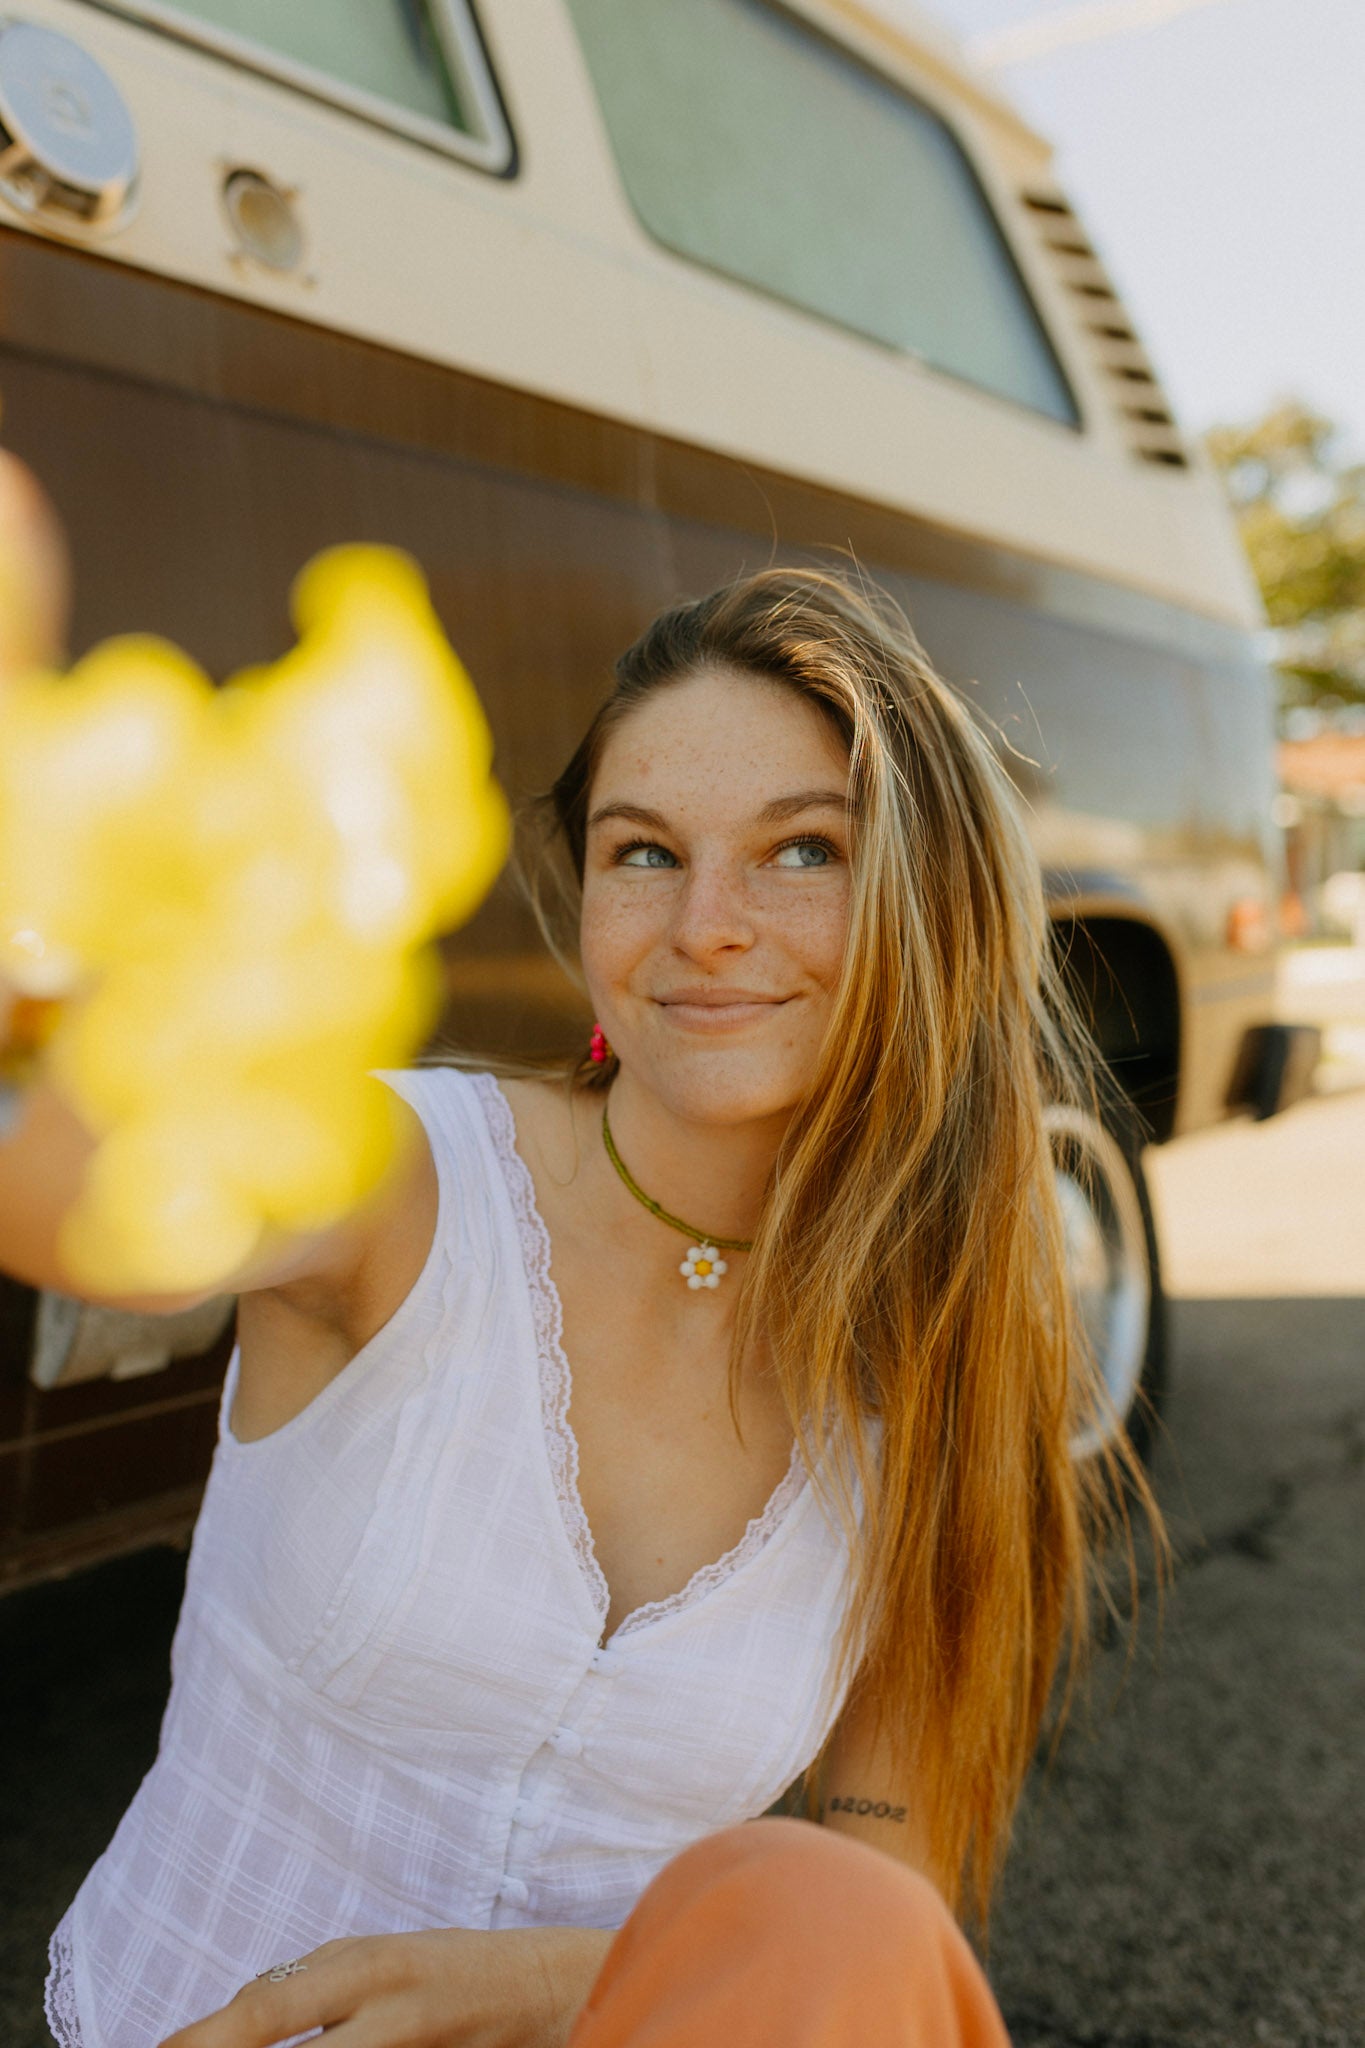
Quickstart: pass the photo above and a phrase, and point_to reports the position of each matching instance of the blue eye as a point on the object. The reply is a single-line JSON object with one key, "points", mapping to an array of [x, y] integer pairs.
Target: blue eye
{"points": [[645, 854], [805, 853]]}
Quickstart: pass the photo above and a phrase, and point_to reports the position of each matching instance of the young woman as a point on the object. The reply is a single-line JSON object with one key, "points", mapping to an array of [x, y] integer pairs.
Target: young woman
{"points": [[670, 1430]]}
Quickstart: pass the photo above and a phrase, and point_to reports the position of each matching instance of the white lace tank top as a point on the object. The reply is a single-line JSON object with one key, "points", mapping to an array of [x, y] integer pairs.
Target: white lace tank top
{"points": [[391, 1704]]}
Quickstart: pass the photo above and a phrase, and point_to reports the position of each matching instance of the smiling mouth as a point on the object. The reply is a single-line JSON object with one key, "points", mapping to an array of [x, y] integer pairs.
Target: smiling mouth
{"points": [[715, 1009]]}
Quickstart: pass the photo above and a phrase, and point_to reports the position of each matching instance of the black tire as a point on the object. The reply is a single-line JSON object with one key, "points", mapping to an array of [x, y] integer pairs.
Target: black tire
{"points": [[1116, 1263]]}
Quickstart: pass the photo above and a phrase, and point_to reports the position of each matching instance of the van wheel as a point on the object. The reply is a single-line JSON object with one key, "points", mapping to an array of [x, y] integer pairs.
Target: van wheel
{"points": [[1115, 1272]]}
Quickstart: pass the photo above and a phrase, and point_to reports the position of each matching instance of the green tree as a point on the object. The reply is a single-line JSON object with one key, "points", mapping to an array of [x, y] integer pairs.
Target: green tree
{"points": [[1301, 511]]}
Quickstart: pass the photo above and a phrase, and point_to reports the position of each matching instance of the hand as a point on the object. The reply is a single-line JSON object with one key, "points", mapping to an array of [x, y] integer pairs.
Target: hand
{"points": [[26, 1023], [451, 1988], [241, 904], [9, 1094], [34, 575]]}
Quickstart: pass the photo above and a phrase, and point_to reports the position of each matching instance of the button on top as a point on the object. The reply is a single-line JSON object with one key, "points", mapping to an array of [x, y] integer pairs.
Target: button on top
{"points": [[526, 1814], [566, 1742], [513, 1892], [605, 1660]]}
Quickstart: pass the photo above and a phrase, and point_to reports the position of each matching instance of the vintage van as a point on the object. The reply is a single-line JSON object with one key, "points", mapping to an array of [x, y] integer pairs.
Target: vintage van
{"points": [[589, 304]]}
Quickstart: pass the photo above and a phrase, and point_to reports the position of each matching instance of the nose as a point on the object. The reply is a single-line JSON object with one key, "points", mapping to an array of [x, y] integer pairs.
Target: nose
{"points": [[712, 913]]}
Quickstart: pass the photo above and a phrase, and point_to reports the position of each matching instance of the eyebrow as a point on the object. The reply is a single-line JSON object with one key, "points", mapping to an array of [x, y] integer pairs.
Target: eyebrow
{"points": [[783, 807], [775, 813]]}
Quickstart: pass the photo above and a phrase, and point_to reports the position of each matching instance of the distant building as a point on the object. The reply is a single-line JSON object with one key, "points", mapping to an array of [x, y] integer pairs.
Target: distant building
{"points": [[1322, 808]]}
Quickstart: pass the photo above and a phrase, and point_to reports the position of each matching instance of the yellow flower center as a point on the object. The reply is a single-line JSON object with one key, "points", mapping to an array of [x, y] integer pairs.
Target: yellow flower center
{"points": [[703, 1266]]}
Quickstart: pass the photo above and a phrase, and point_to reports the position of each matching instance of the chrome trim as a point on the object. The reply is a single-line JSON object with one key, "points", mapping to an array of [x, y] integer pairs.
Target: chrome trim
{"points": [[1103, 1223], [462, 48]]}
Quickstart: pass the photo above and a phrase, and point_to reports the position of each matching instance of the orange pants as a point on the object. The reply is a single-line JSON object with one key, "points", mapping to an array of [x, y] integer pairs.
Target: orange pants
{"points": [[778, 1934]]}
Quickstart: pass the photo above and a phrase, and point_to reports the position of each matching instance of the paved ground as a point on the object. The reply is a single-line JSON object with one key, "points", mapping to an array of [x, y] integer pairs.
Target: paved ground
{"points": [[1189, 1874]]}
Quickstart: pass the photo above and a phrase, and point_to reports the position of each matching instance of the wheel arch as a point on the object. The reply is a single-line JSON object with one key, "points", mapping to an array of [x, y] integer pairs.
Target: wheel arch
{"points": [[1122, 975]]}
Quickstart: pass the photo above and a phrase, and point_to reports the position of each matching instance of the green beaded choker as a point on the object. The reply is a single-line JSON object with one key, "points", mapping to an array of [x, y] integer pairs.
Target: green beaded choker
{"points": [[703, 1267]]}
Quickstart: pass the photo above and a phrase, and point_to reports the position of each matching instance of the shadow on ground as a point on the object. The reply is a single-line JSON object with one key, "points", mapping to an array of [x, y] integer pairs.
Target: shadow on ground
{"points": [[84, 1671], [1189, 1874]]}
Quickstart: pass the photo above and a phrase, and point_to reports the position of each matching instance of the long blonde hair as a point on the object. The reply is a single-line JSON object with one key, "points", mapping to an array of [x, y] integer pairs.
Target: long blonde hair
{"points": [[909, 1261]]}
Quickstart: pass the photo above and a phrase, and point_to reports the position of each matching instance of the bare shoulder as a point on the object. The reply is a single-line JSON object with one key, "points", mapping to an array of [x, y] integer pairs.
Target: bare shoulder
{"points": [[302, 1327]]}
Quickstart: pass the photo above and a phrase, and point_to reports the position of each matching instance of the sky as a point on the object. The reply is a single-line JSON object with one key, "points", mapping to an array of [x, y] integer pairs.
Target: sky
{"points": [[1215, 150]]}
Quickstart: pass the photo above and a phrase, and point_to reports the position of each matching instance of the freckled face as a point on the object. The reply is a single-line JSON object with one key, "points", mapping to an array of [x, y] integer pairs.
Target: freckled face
{"points": [[716, 892]]}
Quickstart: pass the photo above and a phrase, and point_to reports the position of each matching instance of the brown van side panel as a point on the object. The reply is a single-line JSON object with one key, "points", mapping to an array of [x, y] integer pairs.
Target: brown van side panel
{"points": [[199, 451]]}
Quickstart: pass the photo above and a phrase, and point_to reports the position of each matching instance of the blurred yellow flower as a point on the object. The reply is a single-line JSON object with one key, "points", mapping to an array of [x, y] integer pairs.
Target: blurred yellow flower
{"points": [[235, 893]]}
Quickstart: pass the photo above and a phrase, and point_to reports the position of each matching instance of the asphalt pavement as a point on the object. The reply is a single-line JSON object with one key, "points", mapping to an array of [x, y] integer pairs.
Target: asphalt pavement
{"points": [[1188, 1869], [1189, 1872]]}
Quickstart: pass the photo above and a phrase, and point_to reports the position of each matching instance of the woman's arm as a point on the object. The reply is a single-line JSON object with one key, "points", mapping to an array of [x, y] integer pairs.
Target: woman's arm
{"points": [[44, 1152], [306, 1304], [301, 1322], [342, 1275], [520, 1989], [864, 1794]]}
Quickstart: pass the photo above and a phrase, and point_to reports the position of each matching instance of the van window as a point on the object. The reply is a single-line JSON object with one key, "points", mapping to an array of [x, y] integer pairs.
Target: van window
{"points": [[753, 144], [421, 59]]}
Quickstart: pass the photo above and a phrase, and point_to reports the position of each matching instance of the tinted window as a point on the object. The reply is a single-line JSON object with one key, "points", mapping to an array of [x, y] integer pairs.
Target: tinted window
{"points": [[753, 144], [391, 49]]}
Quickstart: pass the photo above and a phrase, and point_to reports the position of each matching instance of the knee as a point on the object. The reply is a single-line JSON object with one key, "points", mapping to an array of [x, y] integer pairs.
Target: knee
{"points": [[783, 1931], [816, 1886]]}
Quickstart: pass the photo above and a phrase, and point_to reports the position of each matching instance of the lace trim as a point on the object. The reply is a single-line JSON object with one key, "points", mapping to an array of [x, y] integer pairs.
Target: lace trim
{"points": [[556, 1389], [759, 1531], [547, 1313], [59, 1994]]}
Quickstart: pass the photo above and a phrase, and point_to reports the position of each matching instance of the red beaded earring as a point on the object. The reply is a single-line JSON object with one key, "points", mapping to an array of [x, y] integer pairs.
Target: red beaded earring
{"points": [[599, 1052]]}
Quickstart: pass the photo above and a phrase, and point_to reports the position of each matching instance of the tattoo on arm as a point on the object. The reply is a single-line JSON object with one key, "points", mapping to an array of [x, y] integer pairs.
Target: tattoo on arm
{"points": [[866, 1809]]}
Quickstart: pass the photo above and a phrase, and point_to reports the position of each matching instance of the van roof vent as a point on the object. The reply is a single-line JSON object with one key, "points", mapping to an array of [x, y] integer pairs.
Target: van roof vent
{"points": [[1142, 406]]}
